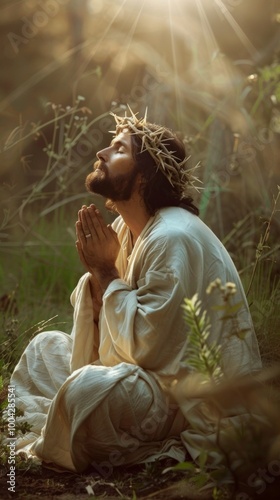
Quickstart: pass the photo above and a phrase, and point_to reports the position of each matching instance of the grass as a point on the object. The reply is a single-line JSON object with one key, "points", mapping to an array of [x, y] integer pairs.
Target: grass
{"points": [[40, 268], [43, 270], [264, 301]]}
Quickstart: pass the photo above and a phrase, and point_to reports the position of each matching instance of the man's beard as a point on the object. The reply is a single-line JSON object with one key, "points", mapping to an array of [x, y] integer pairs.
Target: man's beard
{"points": [[118, 188]]}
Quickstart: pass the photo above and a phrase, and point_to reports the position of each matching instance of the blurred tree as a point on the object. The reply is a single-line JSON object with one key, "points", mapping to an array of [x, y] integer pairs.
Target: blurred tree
{"points": [[191, 63]]}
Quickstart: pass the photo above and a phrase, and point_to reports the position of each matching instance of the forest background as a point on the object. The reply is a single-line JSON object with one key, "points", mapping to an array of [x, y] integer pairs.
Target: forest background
{"points": [[209, 69]]}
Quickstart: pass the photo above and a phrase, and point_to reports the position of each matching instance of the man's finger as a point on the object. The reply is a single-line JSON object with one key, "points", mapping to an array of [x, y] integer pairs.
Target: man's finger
{"points": [[94, 222], [81, 254], [112, 232], [87, 224], [100, 219], [80, 232]]}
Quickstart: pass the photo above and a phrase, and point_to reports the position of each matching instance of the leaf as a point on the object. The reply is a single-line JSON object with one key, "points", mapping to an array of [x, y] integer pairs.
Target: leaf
{"points": [[200, 480], [89, 489], [219, 308], [216, 54], [4, 404], [266, 74], [182, 466], [220, 474], [98, 72], [203, 459], [232, 310], [199, 356], [245, 93], [241, 334], [249, 120]]}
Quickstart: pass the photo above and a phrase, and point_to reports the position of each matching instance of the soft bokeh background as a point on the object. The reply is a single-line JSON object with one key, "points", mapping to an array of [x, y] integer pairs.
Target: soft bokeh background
{"points": [[207, 68], [196, 65]]}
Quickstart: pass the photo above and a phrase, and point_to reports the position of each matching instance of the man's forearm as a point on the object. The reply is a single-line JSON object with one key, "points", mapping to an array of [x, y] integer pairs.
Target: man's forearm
{"points": [[105, 276]]}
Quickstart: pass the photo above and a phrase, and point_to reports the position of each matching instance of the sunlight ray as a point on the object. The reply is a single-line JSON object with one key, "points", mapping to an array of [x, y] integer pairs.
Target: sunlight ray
{"points": [[10, 5], [215, 69], [239, 32], [87, 60], [41, 75], [175, 67], [129, 39], [210, 39], [124, 53], [54, 65]]}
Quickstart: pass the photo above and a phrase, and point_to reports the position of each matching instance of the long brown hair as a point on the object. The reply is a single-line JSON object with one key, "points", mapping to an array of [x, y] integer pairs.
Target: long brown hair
{"points": [[156, 188]]}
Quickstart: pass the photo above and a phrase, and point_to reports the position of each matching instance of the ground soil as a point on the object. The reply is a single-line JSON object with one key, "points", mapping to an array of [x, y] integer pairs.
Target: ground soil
{"points": [[140, 482], [133, 483]]}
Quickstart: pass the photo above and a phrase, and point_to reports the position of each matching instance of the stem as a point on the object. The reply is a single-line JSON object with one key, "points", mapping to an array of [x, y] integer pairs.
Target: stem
{"points": [[263, 240], [53, 120], [226, 455], [56, 117]]}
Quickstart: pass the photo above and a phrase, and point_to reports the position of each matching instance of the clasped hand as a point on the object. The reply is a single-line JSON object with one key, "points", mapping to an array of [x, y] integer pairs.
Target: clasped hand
{"points": [[97, 244]]}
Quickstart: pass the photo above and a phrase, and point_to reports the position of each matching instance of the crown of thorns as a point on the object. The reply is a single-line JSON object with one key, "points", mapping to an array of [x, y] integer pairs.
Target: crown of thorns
{"points": [[154, 142]]}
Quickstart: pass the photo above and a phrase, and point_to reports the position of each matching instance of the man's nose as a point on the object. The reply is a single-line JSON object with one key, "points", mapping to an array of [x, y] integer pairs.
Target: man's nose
{"points": [[103, 154]]}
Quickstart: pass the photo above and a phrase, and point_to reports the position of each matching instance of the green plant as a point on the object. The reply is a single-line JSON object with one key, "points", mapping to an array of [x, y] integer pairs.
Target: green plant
{"points": [[199, 355], [24, 208], [243, 443], [39, 264], [37, 227], [263, 240]]}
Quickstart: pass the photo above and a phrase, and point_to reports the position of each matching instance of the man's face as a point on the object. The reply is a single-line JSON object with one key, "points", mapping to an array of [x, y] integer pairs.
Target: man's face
{"points": [[114, 173]]}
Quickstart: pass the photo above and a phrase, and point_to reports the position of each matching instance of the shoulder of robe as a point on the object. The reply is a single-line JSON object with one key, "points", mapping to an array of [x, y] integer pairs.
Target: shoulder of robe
{"points": [[174, 224]]}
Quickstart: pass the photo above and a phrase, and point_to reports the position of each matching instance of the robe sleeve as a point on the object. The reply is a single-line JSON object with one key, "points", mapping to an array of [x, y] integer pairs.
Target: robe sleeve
{"points": [[85, 334], [144, 321]]}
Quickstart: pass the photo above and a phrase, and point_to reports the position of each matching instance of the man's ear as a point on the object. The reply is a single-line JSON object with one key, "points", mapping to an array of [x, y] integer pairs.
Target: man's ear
{"points": [[140, 179]]}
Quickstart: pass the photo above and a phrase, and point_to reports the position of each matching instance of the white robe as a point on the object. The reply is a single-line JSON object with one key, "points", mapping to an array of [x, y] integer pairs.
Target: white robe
{"points": [[96, 397]]}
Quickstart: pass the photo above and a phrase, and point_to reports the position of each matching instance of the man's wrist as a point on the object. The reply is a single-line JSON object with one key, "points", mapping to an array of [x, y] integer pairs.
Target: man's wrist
{"points": [[105, 276]]}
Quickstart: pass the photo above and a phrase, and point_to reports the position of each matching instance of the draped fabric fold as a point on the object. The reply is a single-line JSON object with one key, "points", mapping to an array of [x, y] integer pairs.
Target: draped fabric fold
{"points": [[97, 396]]}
